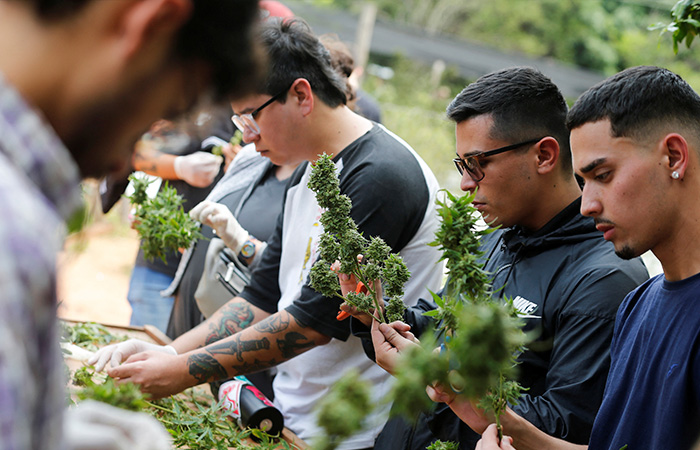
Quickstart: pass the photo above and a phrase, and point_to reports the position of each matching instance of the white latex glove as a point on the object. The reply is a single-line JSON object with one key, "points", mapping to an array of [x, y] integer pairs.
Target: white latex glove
{"points": [[116, 353], [220, 218], [198, 169], [94, 425]]}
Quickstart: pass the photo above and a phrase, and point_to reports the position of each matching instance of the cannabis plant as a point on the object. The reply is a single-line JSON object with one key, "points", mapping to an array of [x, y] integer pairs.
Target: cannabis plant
{"points": [[367, 259]]}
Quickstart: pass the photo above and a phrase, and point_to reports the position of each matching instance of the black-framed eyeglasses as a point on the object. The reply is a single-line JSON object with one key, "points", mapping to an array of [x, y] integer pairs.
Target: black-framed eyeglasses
{"points": [[471, 162], [244, 121]]}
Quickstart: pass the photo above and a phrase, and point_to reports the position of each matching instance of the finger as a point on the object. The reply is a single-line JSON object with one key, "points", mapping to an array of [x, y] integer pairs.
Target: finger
{"points": [[142, 356], [378, 337], [196, 212], [103, 357], [491, 433], [394, 338], [410, 336], [348, 283], [206, 213], [400, 326], [116, 358], [438, 395]]}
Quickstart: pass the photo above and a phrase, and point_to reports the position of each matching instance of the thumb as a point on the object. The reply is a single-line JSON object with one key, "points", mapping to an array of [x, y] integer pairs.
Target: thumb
{"points": [[394, 337]]}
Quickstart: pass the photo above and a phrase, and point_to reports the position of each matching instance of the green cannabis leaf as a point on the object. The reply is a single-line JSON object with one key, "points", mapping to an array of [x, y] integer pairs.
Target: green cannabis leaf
{"points": [[235, 140], [88, 335], [341, 241], [481, 337], [342, 411], [124, 395], [440, 445], [161, 222]]}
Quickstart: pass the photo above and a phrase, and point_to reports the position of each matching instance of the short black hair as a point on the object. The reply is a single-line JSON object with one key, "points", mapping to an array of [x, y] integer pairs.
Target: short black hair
{"points": [[219, 33], [636, 101], [524, 104], [294, 51]]}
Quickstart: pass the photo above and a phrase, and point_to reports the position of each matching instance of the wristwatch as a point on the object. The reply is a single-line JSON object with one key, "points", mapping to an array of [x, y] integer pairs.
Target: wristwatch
{"points": [[248, 250]]}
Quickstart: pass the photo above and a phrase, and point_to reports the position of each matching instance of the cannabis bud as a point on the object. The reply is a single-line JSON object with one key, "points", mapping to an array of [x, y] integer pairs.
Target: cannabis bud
{"points": [[368, 260]]}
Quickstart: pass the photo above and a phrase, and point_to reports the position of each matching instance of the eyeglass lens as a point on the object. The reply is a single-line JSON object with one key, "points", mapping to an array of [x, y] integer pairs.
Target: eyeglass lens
{"points": [[471, 165], [245, 121]]}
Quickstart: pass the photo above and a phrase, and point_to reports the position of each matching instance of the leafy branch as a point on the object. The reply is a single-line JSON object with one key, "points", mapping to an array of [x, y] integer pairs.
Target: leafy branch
{"points": [[343, 410], [161, 222], [481, 337], [684, 25], [235, 140], [367, 260]]}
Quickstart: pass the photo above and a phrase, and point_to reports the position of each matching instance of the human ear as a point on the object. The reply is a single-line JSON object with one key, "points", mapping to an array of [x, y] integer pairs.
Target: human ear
{"points": [[302, 94], [547, 154], [148, 25], [676, 148]]}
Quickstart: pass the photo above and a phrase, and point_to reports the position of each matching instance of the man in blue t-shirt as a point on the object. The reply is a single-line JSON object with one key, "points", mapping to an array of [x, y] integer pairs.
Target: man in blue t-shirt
{"points": [[636, 143]]}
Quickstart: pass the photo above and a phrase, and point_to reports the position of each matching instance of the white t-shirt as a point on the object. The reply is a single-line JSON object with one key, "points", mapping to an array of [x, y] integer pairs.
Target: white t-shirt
{"points": [[393, 193]]}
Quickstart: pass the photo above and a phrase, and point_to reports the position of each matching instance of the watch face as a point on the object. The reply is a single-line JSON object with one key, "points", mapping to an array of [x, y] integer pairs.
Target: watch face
{"points": [[248, 249]]}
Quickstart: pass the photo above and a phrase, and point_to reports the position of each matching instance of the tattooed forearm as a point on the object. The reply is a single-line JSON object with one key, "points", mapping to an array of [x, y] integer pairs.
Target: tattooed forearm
{"points": [[238, 346], [293, 343], [255, 366], [204, 368], [235, 318], [273, 324]]}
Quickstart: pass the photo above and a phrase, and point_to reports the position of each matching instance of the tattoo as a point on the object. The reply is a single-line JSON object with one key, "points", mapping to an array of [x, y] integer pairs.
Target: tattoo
{"points": [[237, 347], [236, 317], [204, 367], [255, 366], [291, 344], [273, 324]]}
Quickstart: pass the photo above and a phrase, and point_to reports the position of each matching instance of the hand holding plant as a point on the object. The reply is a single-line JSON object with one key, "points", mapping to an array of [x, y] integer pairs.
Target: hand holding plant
{"points": [[161, 222]]}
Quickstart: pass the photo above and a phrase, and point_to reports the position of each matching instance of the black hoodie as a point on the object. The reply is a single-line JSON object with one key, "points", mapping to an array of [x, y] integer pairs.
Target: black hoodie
{"points": [[569, 283]]}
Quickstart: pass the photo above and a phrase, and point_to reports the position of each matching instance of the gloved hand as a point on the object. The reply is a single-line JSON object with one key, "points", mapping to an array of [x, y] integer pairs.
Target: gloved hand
{"points": [[220, 218], [198, 169], [116, 353], [94, 425]]}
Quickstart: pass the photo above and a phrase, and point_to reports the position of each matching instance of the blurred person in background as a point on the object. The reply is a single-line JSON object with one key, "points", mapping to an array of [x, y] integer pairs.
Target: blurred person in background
{"points": [[80, 82], [358, 100]]}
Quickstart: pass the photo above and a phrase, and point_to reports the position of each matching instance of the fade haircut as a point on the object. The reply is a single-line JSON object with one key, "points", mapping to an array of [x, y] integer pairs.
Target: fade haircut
{"points": [[293, 51], [637, 101], [219, 33], [523, 103]]}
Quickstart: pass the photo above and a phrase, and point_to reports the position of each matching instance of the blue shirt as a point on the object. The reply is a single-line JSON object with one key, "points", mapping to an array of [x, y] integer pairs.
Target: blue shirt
{"points": [[652, 396], [39, 190]]}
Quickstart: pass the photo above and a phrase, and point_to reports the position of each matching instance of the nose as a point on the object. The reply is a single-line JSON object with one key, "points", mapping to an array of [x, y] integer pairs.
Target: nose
{"points": [[590, 202], [250, 135], [467, 184]]}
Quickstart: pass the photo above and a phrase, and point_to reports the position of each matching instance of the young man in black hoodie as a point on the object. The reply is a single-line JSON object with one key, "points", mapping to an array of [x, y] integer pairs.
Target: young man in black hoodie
{"points": [[567, 282]]}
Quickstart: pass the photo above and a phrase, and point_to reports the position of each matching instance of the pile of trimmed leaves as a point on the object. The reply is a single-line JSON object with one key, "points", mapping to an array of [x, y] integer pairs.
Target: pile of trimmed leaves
{"points": [[195, 421], [341, 241], [161, 222], [88, 335]]}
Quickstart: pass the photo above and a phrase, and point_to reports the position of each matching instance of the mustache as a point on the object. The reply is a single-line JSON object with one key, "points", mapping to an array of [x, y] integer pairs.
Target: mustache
{"points": [[601, 220]]}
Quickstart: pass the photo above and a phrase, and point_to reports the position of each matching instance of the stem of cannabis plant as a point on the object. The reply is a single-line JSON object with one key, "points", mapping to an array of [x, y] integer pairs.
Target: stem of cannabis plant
{"points": [[375, 295]]}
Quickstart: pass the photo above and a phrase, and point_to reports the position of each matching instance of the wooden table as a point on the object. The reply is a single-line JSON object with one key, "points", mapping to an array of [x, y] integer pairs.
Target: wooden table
{"points": [[153, 335]]}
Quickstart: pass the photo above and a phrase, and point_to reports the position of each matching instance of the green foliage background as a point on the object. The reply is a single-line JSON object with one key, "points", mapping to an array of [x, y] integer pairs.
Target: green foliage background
{"points": [[602, 35]]}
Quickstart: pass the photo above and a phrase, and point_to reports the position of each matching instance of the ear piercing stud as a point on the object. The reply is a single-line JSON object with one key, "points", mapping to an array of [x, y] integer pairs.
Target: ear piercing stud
{"points": [[675, 175]]}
